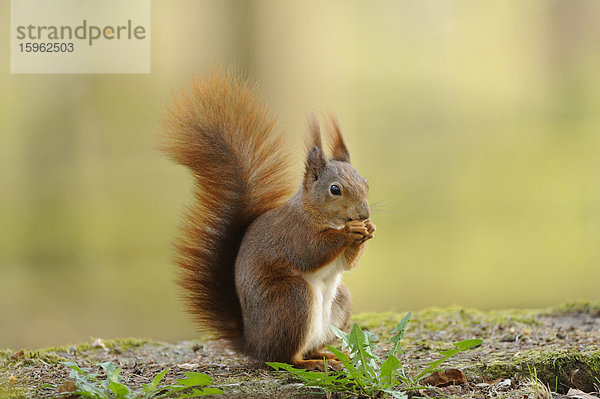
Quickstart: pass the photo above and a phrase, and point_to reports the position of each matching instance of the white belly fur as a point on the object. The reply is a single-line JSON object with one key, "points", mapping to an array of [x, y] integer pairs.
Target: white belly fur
{"points": [[323, 283]]}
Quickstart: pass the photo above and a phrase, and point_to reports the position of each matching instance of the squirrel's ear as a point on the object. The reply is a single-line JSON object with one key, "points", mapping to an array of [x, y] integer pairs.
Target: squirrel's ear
{"points": [[315, 163], [315, 159], [338, 147]]}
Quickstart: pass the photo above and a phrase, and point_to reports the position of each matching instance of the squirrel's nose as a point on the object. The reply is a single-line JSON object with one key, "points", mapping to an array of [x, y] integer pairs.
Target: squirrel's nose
{"points": [[364, 212]]}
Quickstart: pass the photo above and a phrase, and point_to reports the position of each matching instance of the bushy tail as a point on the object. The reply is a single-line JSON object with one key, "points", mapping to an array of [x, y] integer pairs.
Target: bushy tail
{"points": [[217, 127]]}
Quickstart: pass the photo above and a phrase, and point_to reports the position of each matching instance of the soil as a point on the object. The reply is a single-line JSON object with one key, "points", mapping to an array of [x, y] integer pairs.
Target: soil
{"points": [[560, 346]]}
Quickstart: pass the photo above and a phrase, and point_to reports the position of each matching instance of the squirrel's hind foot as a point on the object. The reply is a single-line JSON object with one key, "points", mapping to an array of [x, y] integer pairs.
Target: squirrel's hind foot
{"points": [[318, 364]]}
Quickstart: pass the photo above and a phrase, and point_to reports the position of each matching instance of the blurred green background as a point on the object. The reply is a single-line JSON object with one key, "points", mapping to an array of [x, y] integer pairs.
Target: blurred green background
{"points": [[477, 124]]}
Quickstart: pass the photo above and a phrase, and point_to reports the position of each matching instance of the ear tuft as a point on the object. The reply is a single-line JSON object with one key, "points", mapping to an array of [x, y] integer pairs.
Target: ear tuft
{"points": [[338, 147], [313, 136], [315, 157]]}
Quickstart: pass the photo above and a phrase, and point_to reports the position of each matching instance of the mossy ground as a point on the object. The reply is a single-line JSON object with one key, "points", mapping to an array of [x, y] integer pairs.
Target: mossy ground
{"points": [[560, 346]]}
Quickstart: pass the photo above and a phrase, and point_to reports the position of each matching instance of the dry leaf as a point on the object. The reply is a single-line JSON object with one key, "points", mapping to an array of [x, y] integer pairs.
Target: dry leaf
{"points": [[65, 388], [68, 386], [577, 394], [445, 378]]}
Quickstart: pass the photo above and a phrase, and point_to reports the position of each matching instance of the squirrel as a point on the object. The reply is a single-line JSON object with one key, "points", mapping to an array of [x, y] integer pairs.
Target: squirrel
{"points": [[260, 267]]}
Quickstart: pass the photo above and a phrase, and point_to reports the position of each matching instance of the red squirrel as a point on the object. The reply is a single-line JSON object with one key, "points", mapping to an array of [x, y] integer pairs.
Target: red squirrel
{"points": [[260, 267]]}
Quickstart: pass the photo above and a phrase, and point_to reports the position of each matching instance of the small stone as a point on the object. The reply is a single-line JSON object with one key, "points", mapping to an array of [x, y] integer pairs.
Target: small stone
{"points": [[505, 383], [508, 338], [188, 366]]}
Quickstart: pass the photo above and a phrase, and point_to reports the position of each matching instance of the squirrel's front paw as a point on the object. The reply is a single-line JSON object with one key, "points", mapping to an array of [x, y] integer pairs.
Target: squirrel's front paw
{"points": [[370, 227], [358, 231]]}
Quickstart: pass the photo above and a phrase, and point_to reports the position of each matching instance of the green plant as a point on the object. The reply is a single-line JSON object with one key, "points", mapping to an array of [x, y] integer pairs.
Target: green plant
{"points": [[364, 372], [91, 386], [539, 389]]}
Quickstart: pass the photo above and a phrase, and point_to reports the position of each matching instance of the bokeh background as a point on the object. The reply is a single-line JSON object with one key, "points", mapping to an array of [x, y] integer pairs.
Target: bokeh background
{"points": [[477, 124]]}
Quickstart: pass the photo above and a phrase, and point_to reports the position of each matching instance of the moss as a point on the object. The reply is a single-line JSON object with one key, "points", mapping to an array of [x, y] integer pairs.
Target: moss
{"points": [[56, 354], [9, 388], [434, 317], [119, 345], [11, 392], [452, 318], [579, 306], [556, 368], [48, 357], [373, 321]]}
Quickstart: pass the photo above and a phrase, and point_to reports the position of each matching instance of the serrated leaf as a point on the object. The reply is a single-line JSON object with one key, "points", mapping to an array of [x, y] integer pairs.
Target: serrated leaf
{"points": [[303, 374], [112, 373], [76, 368], [277, 365], [343, 357], [361, 350], [342, 335], [467, 344], [398, 334], [88, 389], [388, 368], [194, 379], [87, 384], [449, 353], [118, 389], [359, 377], [332, 381]]}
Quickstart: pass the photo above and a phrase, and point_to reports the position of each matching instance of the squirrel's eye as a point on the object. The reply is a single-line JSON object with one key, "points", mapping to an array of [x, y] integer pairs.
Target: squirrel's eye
{"points": [[335, 190]]}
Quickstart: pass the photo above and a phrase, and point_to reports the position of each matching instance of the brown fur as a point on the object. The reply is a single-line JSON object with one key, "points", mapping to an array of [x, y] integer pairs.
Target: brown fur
{"points": [[224, 135], [243, 254]]}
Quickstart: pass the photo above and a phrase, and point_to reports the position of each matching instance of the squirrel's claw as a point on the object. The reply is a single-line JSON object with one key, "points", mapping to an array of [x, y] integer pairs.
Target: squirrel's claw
{"points": [[370, 227]]}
